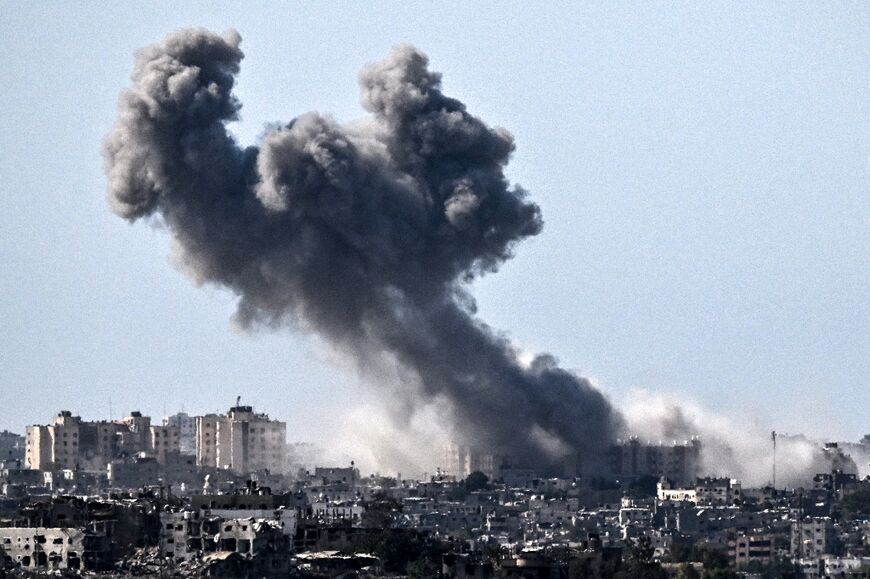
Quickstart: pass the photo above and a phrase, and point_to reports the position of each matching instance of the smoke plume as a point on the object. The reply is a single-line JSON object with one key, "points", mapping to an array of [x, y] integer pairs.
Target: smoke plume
{"points": [[735, 448], [365, 234]]}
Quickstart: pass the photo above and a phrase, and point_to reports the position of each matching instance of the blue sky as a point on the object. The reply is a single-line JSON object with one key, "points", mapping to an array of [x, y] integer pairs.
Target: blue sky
{"points": [[703, 170]]}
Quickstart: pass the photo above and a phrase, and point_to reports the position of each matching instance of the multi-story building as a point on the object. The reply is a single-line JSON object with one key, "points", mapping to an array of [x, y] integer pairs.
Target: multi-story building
{"points": [[460, 461], [666, 491], [11, 446], [712, 491], [55, 548], [241, 441], [746, 548], [71, 443], [812, 537], [162, 441], [186, 426], [75, 444], [678, 462], [135, 437]]}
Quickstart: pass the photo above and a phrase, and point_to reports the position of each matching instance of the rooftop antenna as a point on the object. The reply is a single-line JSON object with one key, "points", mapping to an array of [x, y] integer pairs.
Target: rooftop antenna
{"points": [[773, 438], [110, 408], [238, 400]]}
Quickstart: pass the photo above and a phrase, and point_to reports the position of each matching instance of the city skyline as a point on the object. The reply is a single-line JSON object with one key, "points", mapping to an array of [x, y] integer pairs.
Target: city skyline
{"points": [[93, 316]]}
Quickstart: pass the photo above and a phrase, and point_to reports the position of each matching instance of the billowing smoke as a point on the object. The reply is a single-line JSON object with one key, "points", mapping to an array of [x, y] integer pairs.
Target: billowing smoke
{"points": [[734, 448], [365, 234]]}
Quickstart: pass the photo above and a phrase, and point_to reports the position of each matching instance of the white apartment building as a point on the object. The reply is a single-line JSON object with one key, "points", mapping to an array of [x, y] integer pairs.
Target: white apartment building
{"points": [[241, 441]]}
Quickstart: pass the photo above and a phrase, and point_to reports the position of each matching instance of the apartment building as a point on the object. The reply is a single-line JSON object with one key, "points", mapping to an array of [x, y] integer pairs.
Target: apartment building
{"points": [[241, 441], [75, 444], [186, 425], [678, 462]]}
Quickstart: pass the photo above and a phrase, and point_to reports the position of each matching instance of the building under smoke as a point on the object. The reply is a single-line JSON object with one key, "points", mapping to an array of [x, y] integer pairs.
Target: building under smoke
{"points": [[677, 462], [630, 459], [460, 461]]}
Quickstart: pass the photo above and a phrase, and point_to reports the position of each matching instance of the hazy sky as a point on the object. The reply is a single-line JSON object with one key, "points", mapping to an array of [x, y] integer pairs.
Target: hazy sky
{"points": [[704, 174]]}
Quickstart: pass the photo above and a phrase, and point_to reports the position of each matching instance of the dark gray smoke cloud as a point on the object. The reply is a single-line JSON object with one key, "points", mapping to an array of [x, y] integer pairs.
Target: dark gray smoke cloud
{"points": [[364, 234]]}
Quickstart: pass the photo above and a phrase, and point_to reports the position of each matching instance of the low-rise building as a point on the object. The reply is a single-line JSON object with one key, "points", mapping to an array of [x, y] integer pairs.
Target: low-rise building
{"points": [[714, 491], [666, 491], [56, 548], [743, 549]]}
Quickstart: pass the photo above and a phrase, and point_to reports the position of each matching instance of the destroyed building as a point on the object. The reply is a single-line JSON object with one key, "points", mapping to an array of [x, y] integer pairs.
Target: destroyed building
{"points": [[71, 533]]}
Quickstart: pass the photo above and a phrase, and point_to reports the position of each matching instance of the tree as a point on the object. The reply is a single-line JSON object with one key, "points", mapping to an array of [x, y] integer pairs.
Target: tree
{"points": [[639, 564], [681, 552], [710, 557], [476, 481]]}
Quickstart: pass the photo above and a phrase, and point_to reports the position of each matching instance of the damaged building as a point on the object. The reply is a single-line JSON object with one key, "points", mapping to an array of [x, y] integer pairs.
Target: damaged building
{"points": [[72, 443]]}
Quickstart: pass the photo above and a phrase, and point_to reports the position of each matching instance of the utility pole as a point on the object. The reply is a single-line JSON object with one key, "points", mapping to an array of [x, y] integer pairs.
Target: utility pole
{"points": [[773, 437]]}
